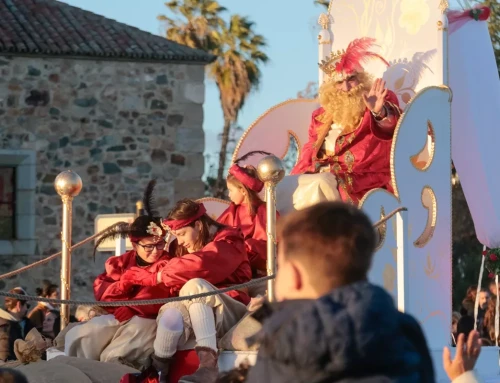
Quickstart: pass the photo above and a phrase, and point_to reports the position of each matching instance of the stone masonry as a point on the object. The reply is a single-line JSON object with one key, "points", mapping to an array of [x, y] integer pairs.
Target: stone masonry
{"points": [[117, 124]]}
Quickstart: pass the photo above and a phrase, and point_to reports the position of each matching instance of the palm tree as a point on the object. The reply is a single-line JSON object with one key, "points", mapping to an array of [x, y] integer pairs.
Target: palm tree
{"points": [[324, 3], [236, 70]]}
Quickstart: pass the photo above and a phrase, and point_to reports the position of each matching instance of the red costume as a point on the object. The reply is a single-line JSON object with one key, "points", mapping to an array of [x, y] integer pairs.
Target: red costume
{"points": [[110, 286], [254, 232], [361, 159], [362, 155], [222, 262]]}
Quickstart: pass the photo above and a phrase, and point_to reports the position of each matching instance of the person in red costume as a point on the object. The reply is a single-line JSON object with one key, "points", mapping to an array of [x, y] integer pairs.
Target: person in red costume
{"points": [[248, 212], [128, 332], [350, 135], [209, 255]]}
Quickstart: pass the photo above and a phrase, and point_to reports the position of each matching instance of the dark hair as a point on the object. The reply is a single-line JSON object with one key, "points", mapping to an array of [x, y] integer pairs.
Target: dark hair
{"points": [[334, 241], [11, 375], [252, 198], [11, 303], [471, 290], [236, 375], [186, 208], [47, 289]]}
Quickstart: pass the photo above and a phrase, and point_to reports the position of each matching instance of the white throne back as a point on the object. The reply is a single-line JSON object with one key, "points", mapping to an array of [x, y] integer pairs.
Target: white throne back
{"points": [[408, 35]]}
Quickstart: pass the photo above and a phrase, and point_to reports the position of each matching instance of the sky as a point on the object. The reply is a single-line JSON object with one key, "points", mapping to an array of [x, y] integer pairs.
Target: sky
{"points": [[292, 48]]}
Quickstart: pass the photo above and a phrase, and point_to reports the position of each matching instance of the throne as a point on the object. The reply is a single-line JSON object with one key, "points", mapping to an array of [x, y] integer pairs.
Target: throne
{"points": [[413, 260]]}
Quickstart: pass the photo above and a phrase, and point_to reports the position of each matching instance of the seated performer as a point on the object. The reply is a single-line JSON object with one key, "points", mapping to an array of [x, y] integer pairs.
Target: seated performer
{"points": [[248, 212], [127, 334], [210, 256], [350, 136]]}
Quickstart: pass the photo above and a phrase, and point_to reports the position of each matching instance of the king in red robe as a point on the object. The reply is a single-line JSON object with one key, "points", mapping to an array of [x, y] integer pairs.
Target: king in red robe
{"points": [[350, 136]]}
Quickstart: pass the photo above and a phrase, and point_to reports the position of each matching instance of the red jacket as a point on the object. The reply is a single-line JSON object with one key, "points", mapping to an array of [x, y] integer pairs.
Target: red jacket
{"points": [[222, 262], [254, 232], [108, 288], [362, 155]]}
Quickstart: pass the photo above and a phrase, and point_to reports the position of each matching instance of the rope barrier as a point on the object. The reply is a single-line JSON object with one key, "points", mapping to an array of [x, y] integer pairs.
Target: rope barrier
{"points": [[142, 302], [51, 257], [389, 216]]}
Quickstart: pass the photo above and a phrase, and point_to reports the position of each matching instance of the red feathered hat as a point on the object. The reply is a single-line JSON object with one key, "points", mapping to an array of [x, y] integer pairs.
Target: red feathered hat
{"points": [[343, 64]]}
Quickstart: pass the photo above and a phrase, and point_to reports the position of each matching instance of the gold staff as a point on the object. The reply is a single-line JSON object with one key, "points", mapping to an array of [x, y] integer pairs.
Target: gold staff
{"points": [[271, 172], [68, 185]]}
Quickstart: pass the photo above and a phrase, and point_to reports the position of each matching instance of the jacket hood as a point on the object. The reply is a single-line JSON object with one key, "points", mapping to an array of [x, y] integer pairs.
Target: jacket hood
{"points": [[352, 331]]}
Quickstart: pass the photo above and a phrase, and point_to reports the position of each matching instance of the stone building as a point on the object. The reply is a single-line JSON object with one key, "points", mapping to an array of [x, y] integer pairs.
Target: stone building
{"points": [[115, 104]]}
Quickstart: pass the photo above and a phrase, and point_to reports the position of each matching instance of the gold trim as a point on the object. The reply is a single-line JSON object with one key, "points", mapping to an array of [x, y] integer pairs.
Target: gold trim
{"points": [[381, 231], [252, 125], [413, 159], [430, 226], [398, 127], [443, 6]]}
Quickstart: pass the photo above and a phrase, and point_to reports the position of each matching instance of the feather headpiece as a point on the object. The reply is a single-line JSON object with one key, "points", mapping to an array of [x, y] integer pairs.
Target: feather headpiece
{"points": [[342, 64], [148, 225]]}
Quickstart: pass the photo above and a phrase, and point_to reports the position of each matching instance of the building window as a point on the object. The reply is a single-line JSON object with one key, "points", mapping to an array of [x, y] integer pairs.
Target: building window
{"points": [[7, 203]]}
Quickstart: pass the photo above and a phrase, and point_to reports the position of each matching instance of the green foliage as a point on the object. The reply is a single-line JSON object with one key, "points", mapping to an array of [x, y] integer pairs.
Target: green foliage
{"points": [[323, 3], [239, 54], [494, 25]]}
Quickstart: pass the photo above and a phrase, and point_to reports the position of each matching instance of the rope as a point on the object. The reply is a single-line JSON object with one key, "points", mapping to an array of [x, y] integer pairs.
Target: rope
{"points": [[142, 302], [389, 216], [49, 258]]}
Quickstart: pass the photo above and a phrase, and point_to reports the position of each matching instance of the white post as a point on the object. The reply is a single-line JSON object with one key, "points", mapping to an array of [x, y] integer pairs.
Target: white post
{"points": [[325, 41], [402, 260], [120, 246]]}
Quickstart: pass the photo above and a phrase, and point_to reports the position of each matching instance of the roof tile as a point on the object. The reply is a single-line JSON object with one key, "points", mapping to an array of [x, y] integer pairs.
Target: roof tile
{"points": [[55, 28]]}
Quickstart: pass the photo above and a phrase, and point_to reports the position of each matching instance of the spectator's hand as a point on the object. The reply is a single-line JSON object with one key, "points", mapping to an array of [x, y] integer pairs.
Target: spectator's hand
{"points": [[465, 356], [256, 303]]}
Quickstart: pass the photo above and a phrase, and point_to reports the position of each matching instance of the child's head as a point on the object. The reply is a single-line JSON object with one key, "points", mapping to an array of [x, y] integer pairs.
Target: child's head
{"points": [[244, 185], [323, 247], [191, 225]]}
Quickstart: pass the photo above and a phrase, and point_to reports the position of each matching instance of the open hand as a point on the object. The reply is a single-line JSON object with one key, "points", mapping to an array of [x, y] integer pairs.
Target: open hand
{"points": [[465, 356], [375, 98]]}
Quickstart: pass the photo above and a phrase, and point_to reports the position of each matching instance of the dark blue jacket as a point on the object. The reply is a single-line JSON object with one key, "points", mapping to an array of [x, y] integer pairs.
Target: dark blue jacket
{"points": [[353, 334]]}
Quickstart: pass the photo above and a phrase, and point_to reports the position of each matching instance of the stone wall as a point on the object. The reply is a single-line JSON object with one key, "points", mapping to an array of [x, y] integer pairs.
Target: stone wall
{"points": [[118, 125]]}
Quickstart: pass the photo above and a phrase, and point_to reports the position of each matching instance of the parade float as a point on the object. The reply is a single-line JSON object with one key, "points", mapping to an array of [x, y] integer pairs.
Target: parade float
{"points": [[444, 73]]}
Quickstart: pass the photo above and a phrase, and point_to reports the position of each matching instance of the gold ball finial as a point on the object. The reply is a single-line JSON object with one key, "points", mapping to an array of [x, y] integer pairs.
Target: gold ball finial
{"points": [[271, 169], [68, 184], [139, 205]]}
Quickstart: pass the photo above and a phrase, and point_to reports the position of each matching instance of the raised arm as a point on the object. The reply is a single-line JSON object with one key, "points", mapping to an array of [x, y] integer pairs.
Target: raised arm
{"points": [[385, 124]]}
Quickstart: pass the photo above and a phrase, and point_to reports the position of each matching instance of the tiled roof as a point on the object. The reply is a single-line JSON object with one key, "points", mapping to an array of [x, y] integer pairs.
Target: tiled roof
{"points": [[51, 27]]}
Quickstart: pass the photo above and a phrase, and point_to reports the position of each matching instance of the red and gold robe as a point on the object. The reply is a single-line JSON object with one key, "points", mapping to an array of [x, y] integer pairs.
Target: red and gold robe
{"points": [[109, 288], [253, 228], [222, 262], [361, 161]]}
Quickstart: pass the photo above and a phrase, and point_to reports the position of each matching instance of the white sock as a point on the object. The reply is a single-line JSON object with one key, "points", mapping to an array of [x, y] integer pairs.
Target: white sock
{"points": [[168, 333], [203, 322]]}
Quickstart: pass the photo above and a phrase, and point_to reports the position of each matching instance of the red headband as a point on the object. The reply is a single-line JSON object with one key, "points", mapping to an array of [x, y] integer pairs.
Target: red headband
{"points": [[250, 182], [176, 224]]}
